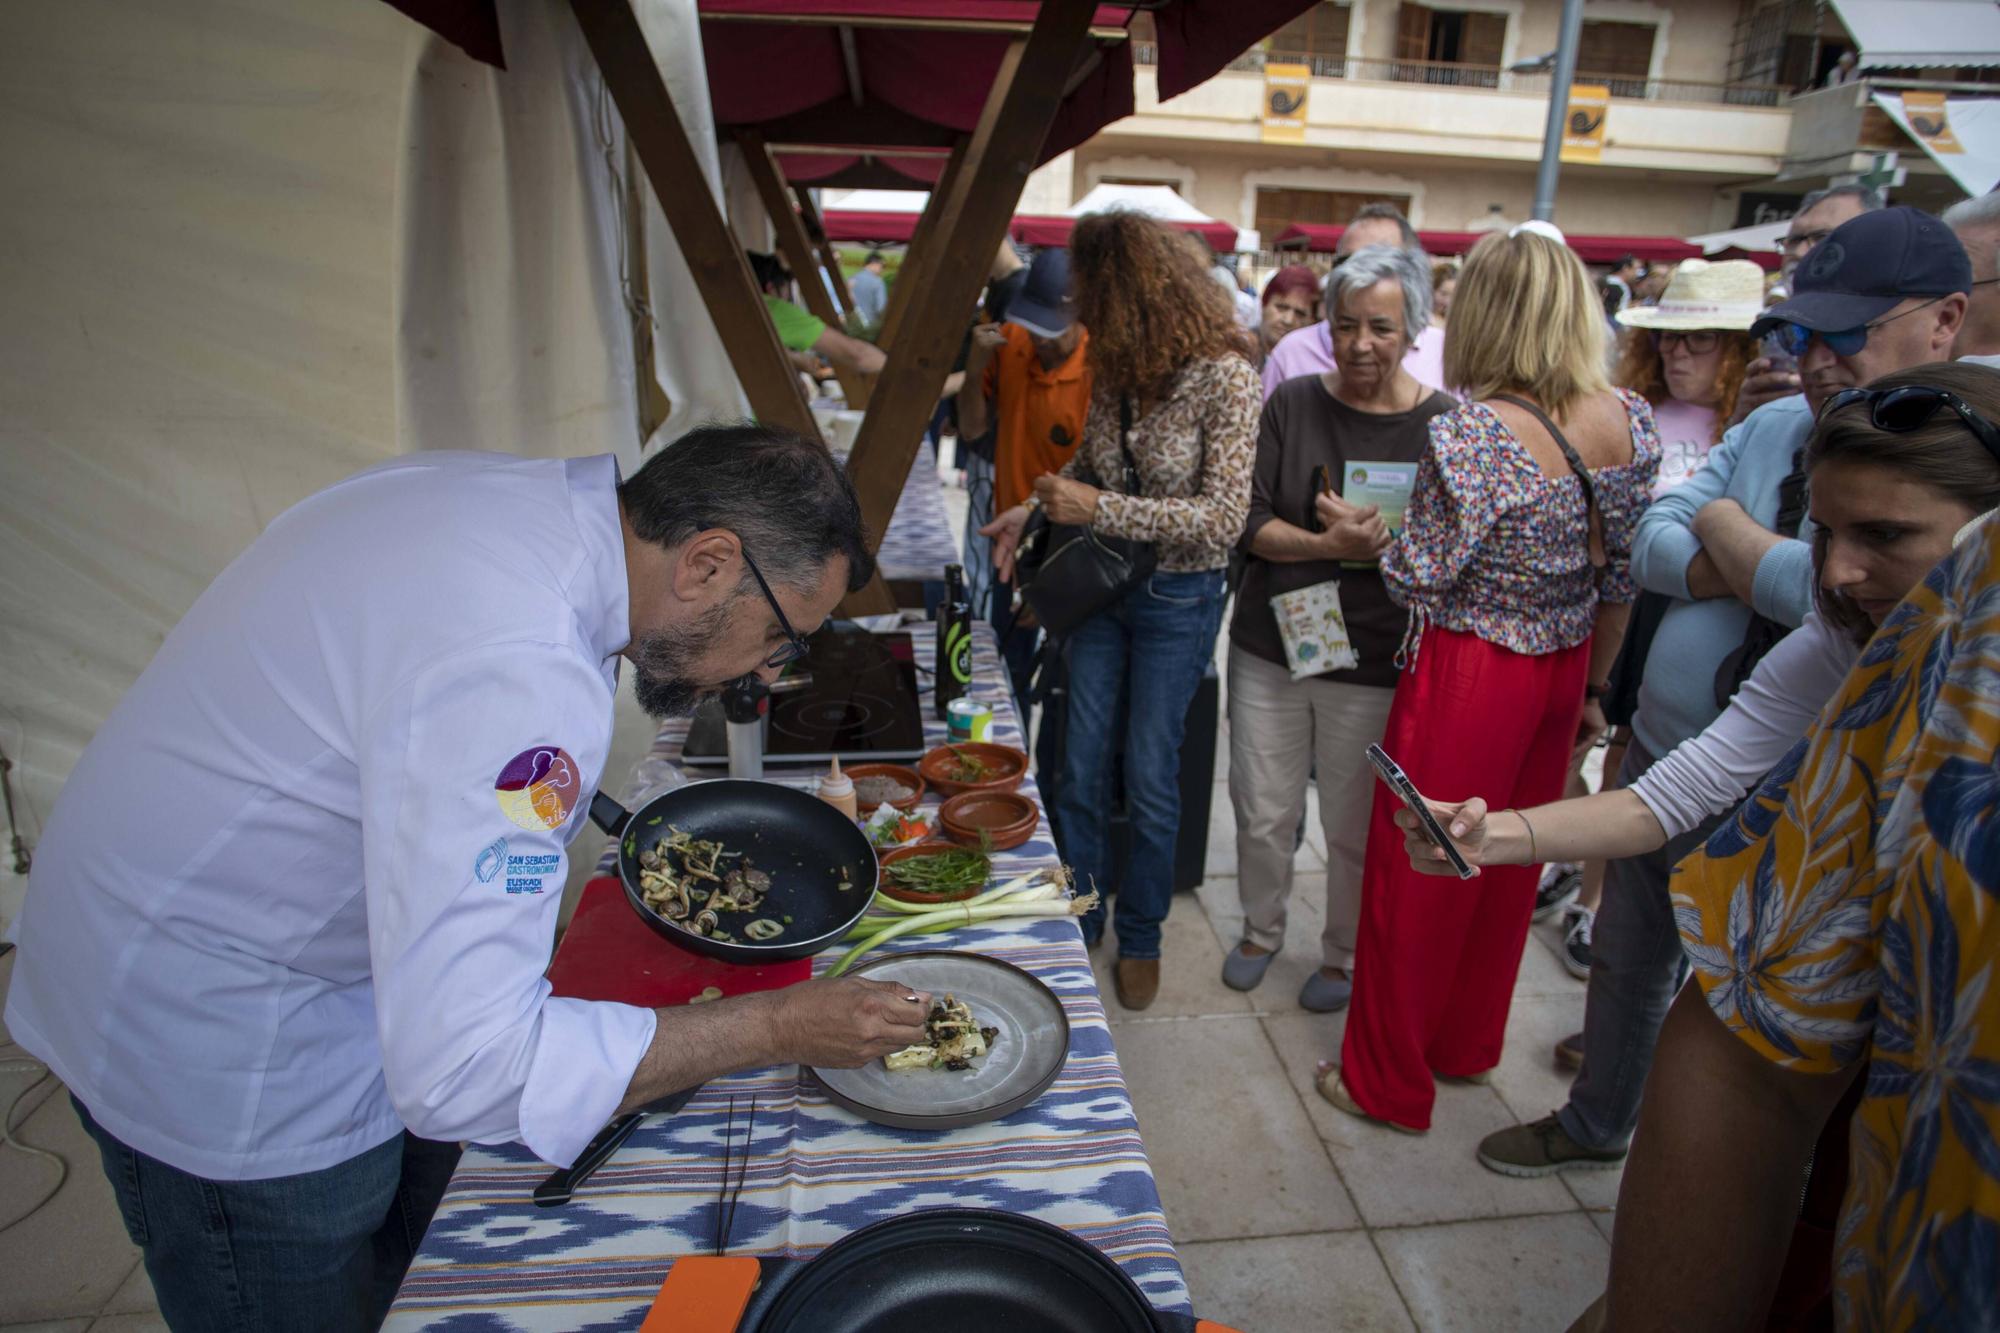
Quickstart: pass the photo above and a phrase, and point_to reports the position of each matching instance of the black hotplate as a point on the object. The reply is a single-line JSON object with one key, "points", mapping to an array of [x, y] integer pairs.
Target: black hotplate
{"points": [[854, 695]]}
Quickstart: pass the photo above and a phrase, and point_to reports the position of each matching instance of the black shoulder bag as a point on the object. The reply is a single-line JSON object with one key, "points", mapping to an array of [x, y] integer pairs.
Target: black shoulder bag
{"points": [[1068, 573]]}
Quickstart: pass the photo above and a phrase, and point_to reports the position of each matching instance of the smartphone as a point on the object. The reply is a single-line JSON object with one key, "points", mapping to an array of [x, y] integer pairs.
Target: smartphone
{"points": [[1773, 350], [1322, 483], [1399, 782]]}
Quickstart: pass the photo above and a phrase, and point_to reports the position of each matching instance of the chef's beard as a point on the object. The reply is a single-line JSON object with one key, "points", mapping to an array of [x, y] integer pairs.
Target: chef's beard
{"points": [[663, 664]]}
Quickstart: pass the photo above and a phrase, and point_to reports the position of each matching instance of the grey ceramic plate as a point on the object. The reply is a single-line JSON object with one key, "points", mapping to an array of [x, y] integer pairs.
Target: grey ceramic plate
{"points": [[1026, 1056]]}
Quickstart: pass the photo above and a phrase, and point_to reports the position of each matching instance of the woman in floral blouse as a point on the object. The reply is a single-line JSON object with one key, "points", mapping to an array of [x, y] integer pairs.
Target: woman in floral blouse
{"points": [[1513, 562], [1163, 350]]}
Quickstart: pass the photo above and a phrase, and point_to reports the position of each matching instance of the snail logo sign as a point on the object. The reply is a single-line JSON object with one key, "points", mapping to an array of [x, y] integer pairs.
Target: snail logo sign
{"points": [[1930, 122], [1583, 127], [1286, 88]]}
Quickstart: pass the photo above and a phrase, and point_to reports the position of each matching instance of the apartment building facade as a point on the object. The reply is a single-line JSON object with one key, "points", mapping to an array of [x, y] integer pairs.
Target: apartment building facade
{"points": [[1719, 115]]}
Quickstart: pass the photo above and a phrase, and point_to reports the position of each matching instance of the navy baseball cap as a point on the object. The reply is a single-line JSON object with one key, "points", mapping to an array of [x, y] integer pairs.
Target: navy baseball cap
{"points": [[1042, 305], [1869, 266]]}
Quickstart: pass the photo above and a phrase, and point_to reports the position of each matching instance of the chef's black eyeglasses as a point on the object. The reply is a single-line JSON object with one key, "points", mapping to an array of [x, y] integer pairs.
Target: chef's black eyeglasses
{"points": [[794, 647], [1910, 407]]}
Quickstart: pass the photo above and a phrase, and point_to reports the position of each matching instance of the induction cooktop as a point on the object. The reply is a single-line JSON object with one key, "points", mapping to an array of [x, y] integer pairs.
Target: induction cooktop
{"points": [[854, 695]]}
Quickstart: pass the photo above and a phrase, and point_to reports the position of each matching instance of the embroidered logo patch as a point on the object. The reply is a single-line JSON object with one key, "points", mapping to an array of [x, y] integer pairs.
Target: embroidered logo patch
{"points": [[487, 866], [539, 788]]}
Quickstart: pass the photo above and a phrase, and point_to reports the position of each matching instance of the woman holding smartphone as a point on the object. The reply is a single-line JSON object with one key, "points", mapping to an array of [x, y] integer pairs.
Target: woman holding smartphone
{"points": [[1895, 471]]}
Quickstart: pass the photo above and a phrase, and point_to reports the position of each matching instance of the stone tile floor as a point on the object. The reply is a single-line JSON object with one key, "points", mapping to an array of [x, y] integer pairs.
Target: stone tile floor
{"points": [[1290, 1216]]}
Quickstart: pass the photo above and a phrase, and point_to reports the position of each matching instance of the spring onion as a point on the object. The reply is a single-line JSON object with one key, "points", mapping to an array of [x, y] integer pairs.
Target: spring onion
{"points": [[1038, 894]]}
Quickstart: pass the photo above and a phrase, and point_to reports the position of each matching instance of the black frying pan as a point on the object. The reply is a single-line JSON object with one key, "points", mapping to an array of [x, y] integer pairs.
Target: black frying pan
{"points": [[807, 847], [970, 1270]]}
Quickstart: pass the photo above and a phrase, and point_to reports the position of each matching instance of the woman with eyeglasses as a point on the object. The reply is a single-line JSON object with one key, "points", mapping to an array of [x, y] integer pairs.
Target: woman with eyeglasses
{"points": [[1897, 471], [1685, 353]]}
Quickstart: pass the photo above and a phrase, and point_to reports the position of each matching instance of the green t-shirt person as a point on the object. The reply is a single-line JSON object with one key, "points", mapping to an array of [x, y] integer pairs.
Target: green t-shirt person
{"points": [[797, 329]]}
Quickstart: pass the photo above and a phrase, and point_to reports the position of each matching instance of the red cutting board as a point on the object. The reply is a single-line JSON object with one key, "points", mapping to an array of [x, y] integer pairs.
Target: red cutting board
{"points": [[608, 953]]}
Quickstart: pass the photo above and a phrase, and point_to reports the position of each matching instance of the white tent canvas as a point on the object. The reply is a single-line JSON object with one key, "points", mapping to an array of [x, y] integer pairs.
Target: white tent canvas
{"points": [[1158, 201]]}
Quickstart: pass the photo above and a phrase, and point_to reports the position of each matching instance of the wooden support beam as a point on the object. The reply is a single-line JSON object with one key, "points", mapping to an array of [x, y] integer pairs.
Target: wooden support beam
{"points": [[816, 229], [798, 251], [977, 203], [721, 273]]}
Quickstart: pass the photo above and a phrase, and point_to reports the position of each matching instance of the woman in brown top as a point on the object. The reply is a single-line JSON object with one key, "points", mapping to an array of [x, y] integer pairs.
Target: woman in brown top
{"points": [[1162, 343], [1362, 428]]}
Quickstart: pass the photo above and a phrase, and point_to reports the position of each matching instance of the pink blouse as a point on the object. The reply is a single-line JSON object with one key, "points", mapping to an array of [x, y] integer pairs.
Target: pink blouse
{"points": [[1493, 546]]}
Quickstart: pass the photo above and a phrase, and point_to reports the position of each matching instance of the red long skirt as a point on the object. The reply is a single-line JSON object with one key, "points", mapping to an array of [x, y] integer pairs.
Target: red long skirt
{"points": [[1437, 956]]}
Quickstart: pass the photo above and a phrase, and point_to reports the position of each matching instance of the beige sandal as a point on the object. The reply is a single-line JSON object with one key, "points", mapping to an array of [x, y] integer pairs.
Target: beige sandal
{"points": [[1334, 1089]]}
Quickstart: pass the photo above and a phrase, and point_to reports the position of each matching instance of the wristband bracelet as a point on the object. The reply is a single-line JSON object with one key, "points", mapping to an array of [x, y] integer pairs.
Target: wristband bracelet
{"points": [[1534, 853], [1593, 693]]}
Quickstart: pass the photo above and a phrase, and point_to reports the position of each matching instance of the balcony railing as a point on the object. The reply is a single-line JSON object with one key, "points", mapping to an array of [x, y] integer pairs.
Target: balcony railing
{"points": [[1452, 74]]}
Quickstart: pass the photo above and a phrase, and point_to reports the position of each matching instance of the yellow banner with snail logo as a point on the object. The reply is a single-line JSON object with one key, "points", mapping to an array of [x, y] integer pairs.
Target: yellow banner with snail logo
{"points": [[1930, 122], [1286, 88], [1583, 126]]}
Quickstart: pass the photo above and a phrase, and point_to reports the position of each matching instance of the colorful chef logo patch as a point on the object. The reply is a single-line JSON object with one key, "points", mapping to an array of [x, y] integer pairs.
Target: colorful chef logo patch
{"points": [[488, 865], [538, 789]]}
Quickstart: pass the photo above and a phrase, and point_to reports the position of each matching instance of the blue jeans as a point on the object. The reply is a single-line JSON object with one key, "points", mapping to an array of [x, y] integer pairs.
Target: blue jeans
{"points": [[322, 1250], [1150, 648]]}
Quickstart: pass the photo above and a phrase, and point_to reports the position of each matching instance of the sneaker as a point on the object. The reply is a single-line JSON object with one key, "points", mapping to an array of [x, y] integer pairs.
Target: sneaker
{"points": [[1561, 882], [1569, 1052], [1542, 1149], [1576, 943]]}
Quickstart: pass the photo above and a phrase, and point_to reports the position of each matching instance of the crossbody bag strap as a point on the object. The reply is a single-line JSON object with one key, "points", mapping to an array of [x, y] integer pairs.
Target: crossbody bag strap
{"points": [[1575, 461]]}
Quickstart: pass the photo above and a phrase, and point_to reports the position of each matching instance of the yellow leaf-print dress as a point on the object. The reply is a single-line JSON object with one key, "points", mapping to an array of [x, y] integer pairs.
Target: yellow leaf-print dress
{"points": [[1851, 911]]}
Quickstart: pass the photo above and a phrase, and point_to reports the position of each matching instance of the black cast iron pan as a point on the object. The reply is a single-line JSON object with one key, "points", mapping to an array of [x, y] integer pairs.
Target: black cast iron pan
{"points": [[806, 846], [967, 1270]]}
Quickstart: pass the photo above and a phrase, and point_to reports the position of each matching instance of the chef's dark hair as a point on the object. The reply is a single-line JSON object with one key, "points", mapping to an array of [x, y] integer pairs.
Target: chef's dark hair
{"points": [[783, 496]]}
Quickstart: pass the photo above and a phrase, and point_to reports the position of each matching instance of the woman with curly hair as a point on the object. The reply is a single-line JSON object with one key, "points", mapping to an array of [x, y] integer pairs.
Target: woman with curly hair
{"points": [[1173, 391]]}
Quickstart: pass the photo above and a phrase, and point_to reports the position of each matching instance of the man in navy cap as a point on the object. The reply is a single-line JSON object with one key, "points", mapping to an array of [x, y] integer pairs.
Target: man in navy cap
{"points": [[1885, 291], [1027, 381]]}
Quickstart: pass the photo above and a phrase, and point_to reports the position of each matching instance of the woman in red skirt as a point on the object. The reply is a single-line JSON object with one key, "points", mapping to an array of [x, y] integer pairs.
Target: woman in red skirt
{"points": [[1513, 562]]}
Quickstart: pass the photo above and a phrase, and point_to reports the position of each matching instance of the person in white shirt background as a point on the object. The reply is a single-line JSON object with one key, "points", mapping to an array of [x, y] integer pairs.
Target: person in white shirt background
{"points": [[285, 934]]}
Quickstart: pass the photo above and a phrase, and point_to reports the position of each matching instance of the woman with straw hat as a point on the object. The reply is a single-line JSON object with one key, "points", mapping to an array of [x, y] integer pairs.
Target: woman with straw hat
{"points": [[1686, 355]]}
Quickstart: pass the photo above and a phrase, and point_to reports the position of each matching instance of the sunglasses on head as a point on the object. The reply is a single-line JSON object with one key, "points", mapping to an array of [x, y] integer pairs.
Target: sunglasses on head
{"points": [[1795, 338], [1909, 408]]}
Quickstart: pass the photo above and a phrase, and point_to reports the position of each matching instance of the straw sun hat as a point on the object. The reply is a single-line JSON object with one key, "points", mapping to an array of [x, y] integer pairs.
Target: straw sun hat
{"points": [[1724, 295]]}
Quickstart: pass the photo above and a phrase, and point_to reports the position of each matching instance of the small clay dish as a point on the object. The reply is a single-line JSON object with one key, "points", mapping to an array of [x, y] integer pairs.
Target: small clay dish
{"points": [[930, 847], [1005, 819], [1005, 766], [900, 773]]}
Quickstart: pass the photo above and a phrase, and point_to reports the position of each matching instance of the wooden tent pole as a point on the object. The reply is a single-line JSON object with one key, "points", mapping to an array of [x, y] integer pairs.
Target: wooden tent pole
{"points": [[816, 230], [716, 260], [919, 252], [977, 205], [798, 251]]}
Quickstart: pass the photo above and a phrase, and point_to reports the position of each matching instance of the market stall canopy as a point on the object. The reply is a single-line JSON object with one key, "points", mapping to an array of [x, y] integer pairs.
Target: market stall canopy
{"points": [[1323, 238], [873, 215], [1960, 134], [1898, 34], [1155, 201], [1758, 244]]}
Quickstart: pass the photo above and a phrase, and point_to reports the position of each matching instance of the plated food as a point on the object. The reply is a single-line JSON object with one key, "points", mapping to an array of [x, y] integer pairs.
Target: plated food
{"points": [[973, 766], [895, 785], [953, 1039], [706, 889]]}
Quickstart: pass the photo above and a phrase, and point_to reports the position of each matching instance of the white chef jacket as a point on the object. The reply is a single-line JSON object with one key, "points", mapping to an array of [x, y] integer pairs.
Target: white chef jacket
{"points": [[301, 887]]}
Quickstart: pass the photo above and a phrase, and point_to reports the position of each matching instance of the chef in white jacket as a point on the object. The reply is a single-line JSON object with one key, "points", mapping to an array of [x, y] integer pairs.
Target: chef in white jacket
{"points": [[285, 934]]}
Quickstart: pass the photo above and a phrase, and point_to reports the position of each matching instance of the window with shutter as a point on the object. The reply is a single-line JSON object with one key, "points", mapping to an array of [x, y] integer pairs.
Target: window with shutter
{"points": [[1460, 47], [1317, 38], [1618, 55]]}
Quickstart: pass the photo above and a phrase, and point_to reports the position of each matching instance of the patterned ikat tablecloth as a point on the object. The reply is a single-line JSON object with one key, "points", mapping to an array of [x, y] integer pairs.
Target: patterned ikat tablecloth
{"points": [[494, 1261]]}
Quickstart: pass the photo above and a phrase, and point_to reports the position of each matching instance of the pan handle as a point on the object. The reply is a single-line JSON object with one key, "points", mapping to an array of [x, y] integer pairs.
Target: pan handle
{"points": [[608, 815]]}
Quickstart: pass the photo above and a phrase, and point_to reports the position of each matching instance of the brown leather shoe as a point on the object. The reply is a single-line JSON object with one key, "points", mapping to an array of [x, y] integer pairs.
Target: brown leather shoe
{"points": [[1138, 981]]}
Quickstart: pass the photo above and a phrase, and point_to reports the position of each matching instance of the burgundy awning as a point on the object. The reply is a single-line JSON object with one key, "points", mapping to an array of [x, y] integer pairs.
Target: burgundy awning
{"points": [[1055, 231], [794, 71], [1323, 238], [863, 225]]}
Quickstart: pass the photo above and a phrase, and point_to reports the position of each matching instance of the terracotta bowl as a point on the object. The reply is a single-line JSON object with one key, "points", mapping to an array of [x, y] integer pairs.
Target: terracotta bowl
{"points": [[902, 773], [1005, 767], [1006, 818], [929, 847]]}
